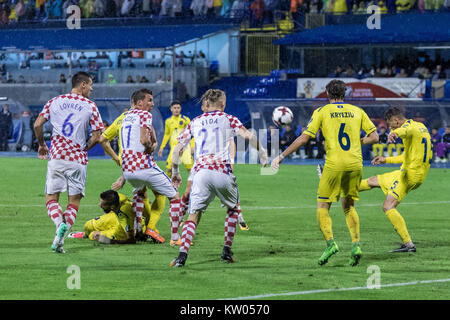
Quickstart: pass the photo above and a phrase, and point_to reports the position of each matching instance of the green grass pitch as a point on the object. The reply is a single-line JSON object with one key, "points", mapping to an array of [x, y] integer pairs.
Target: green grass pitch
{"points": [[277, 255]]}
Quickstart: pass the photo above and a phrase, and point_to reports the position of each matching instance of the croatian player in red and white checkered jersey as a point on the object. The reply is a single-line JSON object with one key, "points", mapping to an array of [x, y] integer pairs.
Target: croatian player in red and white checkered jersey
{"points": [[138, 165], [71, 115], [212, 132]]}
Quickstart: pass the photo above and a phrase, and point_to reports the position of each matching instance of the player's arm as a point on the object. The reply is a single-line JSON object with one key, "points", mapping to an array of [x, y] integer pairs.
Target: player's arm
{"points": [[232, 153], [94, 139], [381, 160], [254, 142], [370, 129], [39, 132], [145, 139], [166, 138], [108, 150], [96, 127], [371, 138], [298, 143], [176, 178], [154, 140]]}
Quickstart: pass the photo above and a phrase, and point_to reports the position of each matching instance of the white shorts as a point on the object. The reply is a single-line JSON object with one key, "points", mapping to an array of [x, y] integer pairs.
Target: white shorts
{"points": [[208, 184], [64, 176], [153, 178]]}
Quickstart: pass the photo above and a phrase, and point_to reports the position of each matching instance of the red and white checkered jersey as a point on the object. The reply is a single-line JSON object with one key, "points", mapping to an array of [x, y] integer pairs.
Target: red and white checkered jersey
{"points": [[212, 132], [133, 156], [72, 116]]}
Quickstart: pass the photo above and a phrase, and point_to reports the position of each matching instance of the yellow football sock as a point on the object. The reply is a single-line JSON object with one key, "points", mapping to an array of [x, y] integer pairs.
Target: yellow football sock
{"points": [[364, 185], [169, 173], [156, 210], [352, 219], [399, 224], [325, 224]]}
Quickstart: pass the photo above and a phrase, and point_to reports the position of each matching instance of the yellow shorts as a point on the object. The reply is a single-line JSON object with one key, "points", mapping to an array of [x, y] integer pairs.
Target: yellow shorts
{"points": [[399, 183], [336, 184], [108, 225], [186, 159]]}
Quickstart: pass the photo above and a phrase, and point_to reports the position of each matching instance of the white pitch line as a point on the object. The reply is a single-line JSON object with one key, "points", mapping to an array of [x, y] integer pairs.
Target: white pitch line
{"points": [[401, 284]]}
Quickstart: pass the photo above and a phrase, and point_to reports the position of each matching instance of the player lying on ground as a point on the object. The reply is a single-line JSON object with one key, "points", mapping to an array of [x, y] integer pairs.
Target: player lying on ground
{"points": [[341, 124], [213, 176], [117, 224], [71, 115], [158, 204], [415, 162]]}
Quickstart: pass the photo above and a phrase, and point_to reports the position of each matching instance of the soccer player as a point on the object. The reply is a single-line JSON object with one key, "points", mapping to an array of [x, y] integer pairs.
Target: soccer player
{"points": [[138, 165], [71, 115], [173, 127], [176, 219], [341, 124], [158, 204], [213, 176], [116, 224], [415, 162]]}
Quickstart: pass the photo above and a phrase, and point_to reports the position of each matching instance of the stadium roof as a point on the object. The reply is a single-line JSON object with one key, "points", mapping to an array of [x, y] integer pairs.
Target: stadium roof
{"points": [[399, 29], [104, 38]]}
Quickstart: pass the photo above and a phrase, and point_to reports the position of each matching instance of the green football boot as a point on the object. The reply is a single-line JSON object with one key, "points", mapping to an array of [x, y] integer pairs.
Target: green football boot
{"points": [[356, 254], [331, 249]]}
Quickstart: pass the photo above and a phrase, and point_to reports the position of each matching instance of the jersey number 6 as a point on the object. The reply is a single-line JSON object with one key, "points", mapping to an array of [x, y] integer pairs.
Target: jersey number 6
{"points": [[343, 136]]}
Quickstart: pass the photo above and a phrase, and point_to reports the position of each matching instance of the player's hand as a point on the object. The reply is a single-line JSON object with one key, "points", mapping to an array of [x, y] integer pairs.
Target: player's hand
{"points": [[43, 152], [276, 163], [378, 160], [118, 184], [264, 159], [117, 161], [392, 137], [160, 152], [176, 180]]}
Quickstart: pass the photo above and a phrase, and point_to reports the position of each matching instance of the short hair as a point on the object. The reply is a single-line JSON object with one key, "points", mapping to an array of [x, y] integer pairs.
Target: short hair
{"points": [[175, 102], [394, 112], [140, 95], [80, 77], [336, 89], [213, 95], [111, 197]]}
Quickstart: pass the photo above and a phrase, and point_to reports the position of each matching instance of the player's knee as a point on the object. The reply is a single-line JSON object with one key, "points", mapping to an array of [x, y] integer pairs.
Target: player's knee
{"points": [[387, 207]]}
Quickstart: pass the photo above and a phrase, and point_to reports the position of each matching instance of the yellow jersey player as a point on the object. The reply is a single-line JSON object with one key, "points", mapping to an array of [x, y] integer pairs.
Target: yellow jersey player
{"points": [[341, 124], [415, 162], [173, 127], [158, 205], [116, 225]]}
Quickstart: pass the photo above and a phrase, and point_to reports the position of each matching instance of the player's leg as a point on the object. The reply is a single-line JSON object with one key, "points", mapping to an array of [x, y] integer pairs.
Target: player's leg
{"points": [[369, 183], [187, 236], [352, 220], [242, 224], [169, 164], [155, 211], [201, 195], [226, 189], [399, 224], [328, 192]]}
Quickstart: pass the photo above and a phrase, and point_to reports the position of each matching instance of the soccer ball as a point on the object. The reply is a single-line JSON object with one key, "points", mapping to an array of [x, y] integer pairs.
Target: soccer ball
{"points": [[282, 116]]}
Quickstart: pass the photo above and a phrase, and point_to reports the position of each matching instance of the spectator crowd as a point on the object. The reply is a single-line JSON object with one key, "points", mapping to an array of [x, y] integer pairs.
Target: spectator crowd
{"points": [[259, 10], [401, 67]]}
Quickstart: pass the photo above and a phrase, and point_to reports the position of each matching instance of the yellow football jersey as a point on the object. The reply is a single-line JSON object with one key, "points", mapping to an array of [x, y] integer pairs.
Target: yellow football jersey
{"points": [[113, 131], [417, 152], [173, 127], [341, 125]]}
